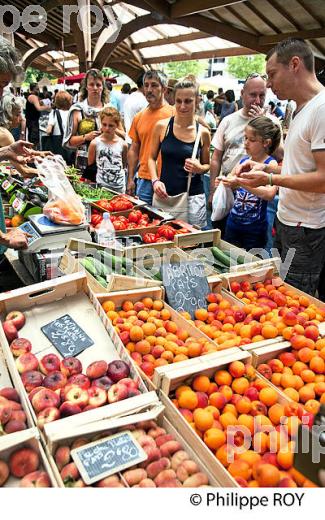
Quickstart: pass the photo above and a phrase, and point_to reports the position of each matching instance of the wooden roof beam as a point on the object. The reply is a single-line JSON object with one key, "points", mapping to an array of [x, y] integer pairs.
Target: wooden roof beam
{"points": [[304, 34], [220, 53], [171, 40], [187, 7]]}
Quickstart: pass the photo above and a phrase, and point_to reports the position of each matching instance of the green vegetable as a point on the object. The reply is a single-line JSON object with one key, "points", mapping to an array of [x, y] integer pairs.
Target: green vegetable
{"points": [[116, 261], [220, 256], [95, 267], [239, 259], [89, 192], [157, 276], [89, 266], [101, 281]]}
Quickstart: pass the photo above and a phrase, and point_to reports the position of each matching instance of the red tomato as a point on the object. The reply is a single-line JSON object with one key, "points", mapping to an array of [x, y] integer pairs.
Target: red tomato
{"points": [[149, 238], [96, 219], [132, 225], [119, 226], [143, 223], [123, 219], [8, 222], [166, 231], [135, 216]]}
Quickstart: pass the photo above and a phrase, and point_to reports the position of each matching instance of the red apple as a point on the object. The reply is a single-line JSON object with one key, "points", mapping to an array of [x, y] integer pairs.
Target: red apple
{"points": [[77, 395], [79, 380], [66, 409], [97, 396], [117, 392], [23, 461], [70, 366], [10, 393], [49, 363], [117, 370], [20, 346], [102, 382], [17, 318], [96, 369], [31, 379], [45, 398], [47, 415], [26, 363], [10, 330], [36, 479], [55, 380]]}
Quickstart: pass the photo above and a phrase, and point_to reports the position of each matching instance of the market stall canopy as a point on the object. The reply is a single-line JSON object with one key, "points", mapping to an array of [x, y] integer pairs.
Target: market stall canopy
{"points": [[77, 78], [139, 34]]}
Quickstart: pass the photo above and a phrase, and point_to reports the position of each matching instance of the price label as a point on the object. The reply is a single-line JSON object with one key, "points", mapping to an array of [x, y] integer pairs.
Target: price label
{"points": [[18, 205], [105, 457], [67, 337], [6, 184], [186, 286]]}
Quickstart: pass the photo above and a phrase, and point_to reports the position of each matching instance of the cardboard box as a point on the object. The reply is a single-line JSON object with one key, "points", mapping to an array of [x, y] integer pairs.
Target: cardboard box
{"points": [[42, 303], [172, 381], [199, 245], [112, 426], [24, 439]]}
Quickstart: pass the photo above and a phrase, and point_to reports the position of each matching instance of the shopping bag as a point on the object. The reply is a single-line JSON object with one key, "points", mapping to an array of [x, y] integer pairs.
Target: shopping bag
{"points": [[222, 202], [64, 205]]}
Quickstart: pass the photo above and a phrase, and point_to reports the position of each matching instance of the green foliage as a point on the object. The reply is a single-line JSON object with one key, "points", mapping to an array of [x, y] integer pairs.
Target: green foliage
{"points": [[241, 66], [108, 72], [33, 75], [180, 69]]}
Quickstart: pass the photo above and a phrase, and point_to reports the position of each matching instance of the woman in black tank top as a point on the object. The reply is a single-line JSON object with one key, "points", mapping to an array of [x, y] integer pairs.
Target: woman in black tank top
{"points": [[174, 139]]}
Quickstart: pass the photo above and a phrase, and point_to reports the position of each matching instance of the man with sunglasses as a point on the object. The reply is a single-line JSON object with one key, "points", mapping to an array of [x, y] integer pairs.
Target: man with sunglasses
{"points": [[228, 141], [300, 221]]}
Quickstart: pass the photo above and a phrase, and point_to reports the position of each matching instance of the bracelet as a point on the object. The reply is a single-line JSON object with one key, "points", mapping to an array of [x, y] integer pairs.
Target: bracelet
{"points": [[153, 182], [270, 179]]}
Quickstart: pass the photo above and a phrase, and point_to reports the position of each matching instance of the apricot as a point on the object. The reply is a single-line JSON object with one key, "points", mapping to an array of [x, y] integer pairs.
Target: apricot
{"points": [[267, 475], [203, 419], [188, 399], [260, 442], [193, 349], [149, 329], [136, 333], [292, 394], [237, 369], [288, 380], [214, 438], [157, 305], [268, 396], [240, 468], [226, 391], [312, 406], [308, 376], [247, 421], [222, 377], [243, 405], [276, 379], [240, 385], [143, 347], [108, 305], [223, 454], [227, 419], [269, 331], [285, 458], [250, 456], [298, 366], [317, 364]]}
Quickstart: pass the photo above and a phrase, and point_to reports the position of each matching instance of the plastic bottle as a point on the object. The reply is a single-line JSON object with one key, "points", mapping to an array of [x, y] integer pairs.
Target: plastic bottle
{"points": [[106, 232]]}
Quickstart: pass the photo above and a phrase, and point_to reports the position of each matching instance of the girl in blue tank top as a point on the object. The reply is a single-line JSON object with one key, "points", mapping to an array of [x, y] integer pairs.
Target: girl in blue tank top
{"points": [[247, 221]]}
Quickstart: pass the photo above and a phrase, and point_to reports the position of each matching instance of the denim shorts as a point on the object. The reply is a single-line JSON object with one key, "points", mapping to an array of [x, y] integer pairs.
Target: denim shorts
{"points": [[144, 190], [308, 246]]}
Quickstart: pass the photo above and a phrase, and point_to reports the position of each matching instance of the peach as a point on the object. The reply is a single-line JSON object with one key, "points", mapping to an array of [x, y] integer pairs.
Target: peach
{"points": [[23, 461], [186, 469], [62, 456], [267, 475], [214, 438], [36, 479], [4, 472]]}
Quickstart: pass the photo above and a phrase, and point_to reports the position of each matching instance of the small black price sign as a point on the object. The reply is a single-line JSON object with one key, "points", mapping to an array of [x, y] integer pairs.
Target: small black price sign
{"points": [[67, 337], [186, 286], [99, 459]]}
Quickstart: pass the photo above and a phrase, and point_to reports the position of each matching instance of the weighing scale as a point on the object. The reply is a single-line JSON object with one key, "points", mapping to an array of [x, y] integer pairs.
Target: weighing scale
{"points": [[45, 235], [46, 245]]}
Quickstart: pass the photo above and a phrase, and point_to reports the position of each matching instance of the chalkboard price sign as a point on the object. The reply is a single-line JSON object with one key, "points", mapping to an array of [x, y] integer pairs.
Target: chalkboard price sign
{"points": [[99, 459], [67, 337], [186, 286]]}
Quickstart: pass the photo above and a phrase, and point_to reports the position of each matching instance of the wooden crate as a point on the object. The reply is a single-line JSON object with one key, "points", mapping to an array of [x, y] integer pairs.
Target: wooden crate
{"points": [[262, 273], [45, 302], [172, 381], [151, 265], [25, 439], [5, 381], [198, 246], [115, 282], [109, 427]]}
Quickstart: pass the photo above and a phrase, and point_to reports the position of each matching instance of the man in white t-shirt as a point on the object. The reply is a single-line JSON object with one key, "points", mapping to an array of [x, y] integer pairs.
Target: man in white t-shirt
{"points": [[301, 211], [228, 141], [134, 104]]}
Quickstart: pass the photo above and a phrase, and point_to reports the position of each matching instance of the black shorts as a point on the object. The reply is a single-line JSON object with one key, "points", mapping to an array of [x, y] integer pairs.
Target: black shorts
{"points": [[306, 246], [33, 133]]}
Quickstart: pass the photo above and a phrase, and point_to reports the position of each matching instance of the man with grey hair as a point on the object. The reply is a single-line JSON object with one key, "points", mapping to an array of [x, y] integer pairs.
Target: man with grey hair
{"points": [[155, 86]]}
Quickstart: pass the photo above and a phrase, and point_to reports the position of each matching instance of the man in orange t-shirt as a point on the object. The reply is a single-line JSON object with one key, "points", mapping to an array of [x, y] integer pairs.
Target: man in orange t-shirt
{"points": [[155, 85]]}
